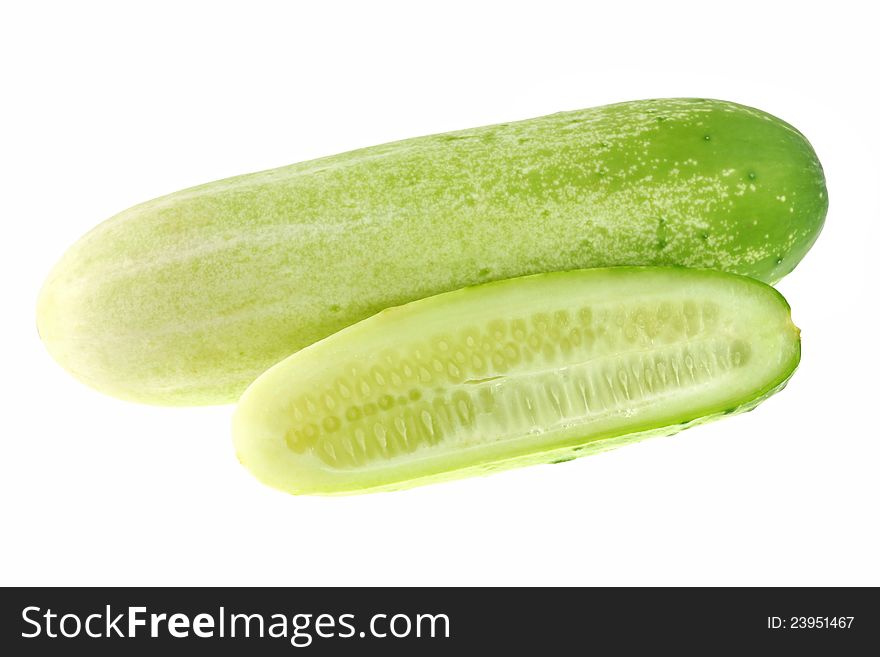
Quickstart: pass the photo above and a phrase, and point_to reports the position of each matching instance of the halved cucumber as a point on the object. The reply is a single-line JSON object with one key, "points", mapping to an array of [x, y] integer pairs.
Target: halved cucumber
{"points": [[526, 370]]}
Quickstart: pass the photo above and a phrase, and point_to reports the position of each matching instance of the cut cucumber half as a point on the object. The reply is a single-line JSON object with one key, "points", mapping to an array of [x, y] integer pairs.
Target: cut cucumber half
{"points": [[527, 370]]}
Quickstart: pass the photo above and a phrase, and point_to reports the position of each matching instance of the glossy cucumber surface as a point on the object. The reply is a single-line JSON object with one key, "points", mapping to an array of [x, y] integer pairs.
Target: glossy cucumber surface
{"points": [[535, 369], [186, 299]]}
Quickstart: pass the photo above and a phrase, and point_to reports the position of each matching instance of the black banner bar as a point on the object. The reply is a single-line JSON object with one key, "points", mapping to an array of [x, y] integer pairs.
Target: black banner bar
{"points": [[278, 621]]}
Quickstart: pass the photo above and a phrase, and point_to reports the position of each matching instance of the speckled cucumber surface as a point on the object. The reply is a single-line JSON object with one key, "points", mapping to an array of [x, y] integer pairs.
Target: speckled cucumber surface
{"points": [[536, 369], [188, 298]]}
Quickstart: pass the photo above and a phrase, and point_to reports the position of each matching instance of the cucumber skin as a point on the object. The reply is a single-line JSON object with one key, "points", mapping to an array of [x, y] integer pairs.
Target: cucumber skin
{"points": [[186, 299], [595, 445]]}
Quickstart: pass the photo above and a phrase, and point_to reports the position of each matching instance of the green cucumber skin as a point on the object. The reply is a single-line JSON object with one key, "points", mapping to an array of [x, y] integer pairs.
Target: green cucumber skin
{"points": [[266, 410], [186, 299]]}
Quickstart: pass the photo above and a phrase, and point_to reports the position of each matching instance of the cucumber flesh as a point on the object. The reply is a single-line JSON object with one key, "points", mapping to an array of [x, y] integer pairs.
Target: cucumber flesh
{"points": [[534, 369]]}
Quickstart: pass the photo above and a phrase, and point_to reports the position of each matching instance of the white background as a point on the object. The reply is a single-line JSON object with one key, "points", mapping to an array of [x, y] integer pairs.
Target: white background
{"points": [[108, 104]]}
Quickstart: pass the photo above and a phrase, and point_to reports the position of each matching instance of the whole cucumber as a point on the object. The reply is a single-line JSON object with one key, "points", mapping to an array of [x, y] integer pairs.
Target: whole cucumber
{"points": [[186, 299]]}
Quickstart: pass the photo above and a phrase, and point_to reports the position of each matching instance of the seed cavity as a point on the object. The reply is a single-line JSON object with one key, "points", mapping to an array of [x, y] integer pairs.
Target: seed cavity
{"points": [[510, 377]]}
